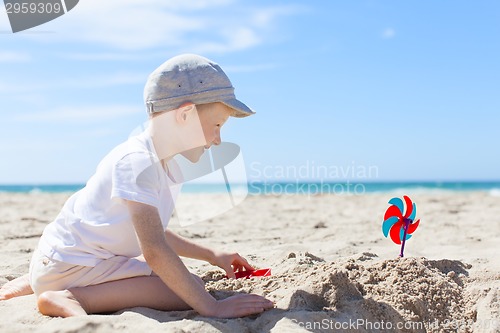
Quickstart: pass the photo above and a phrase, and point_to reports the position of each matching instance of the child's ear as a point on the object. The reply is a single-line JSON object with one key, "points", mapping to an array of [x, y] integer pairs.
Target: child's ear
{"points": [[183, 112]]}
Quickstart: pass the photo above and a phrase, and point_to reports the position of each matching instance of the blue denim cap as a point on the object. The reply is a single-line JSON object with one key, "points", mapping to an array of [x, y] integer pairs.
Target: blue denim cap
{"points": [[190, 78]]}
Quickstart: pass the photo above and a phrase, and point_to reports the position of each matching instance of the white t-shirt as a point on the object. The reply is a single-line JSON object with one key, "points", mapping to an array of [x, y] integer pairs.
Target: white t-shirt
{"points": [[95, 223]]}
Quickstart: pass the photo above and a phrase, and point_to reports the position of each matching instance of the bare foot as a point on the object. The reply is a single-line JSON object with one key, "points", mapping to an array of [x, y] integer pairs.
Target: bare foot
{"points": [[60, 304], [17, 287]]}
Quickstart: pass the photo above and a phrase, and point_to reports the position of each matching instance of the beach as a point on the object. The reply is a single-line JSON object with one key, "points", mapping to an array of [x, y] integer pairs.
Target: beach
{"points": [[332, 268]]}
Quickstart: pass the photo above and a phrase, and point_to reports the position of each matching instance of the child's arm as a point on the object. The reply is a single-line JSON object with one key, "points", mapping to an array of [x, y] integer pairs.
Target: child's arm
{"points": [[227, 261], [169, 267]]}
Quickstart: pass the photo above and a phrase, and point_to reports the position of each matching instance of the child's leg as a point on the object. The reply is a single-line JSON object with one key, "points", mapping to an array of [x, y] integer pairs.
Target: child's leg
{"points": [[144, 291], [18, 287]]}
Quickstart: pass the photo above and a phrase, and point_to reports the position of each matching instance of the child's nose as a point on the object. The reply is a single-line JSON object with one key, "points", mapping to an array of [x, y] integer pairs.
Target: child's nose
{"points": [[217, 139]]}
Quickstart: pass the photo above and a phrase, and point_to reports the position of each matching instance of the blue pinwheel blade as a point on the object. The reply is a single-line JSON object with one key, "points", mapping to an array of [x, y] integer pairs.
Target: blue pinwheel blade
{"points": [[398, 203], [413, 213], [402, 234], [387, 224]]}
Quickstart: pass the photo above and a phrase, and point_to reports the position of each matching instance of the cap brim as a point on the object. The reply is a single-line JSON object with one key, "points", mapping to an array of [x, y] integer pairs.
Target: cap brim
{"points": [[239, 108]]}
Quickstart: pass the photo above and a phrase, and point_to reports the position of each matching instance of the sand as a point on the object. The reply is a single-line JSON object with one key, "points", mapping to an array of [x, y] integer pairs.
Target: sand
{"points": [[332, 269]]}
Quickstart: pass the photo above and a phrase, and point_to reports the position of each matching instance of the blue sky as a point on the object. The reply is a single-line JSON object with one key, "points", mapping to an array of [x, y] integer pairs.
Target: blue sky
{"points": [[407, 88]]}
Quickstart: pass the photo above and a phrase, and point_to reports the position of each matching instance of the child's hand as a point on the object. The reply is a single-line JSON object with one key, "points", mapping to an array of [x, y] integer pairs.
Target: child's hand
{"points": [[241, 305], [230, 262]]}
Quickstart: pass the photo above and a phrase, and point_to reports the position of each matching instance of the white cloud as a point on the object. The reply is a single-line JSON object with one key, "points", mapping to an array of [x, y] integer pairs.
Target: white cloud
{"points": [[249, 68], [113, 79], [4, 21], [82, 82], [265, 17], [15, 88], [4, 88], [235, 40], [6, 56], [100, 132], [129, 25], [25, 144], [388, 33], [81, 114], [105, 56]]}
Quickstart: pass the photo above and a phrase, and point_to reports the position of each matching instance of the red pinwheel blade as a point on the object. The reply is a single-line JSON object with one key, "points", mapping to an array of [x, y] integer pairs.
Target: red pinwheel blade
{"points": [[395, 232], [412, 227], [393, 211], [409, 206]]}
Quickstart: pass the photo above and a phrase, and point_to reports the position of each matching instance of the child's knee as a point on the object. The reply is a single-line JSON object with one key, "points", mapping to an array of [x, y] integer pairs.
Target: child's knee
{"points": [[45, 302]]}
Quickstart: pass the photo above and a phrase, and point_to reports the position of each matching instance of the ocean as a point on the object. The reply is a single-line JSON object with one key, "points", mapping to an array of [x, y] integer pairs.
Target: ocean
{"points": [[308, 188]]}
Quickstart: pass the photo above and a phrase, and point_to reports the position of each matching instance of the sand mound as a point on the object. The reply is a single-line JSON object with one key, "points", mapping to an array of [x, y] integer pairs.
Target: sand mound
{"points": [[359, 294]]}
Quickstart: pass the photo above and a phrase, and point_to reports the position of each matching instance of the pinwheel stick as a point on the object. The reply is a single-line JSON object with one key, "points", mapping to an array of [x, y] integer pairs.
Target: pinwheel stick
{"points": [[406, 225]]}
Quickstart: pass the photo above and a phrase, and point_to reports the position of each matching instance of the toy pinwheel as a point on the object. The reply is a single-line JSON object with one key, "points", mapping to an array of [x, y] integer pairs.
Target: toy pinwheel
{"points": [[398, 223]]}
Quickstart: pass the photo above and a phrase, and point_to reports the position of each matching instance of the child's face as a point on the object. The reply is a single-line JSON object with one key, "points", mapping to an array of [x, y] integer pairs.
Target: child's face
{"points": [[212, 117]]}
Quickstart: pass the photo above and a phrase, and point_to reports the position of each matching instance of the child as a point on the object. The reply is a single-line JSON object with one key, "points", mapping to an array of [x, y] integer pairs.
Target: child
{"points": [[109, 248]]}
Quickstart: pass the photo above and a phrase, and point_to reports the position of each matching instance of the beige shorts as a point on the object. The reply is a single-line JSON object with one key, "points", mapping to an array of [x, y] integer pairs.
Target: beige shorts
{"points": [[49, 274]]}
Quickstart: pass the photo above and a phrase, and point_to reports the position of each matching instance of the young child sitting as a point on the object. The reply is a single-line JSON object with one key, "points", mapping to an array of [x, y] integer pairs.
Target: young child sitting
{"points": [[109, 248]]}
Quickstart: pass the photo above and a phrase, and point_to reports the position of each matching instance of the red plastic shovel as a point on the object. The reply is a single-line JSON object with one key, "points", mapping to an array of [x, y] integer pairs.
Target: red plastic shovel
{"points": [[254, 273]]}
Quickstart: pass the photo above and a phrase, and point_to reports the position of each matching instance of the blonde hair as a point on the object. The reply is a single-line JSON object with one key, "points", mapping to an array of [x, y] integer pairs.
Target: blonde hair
{"points": [[199, 107]]}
